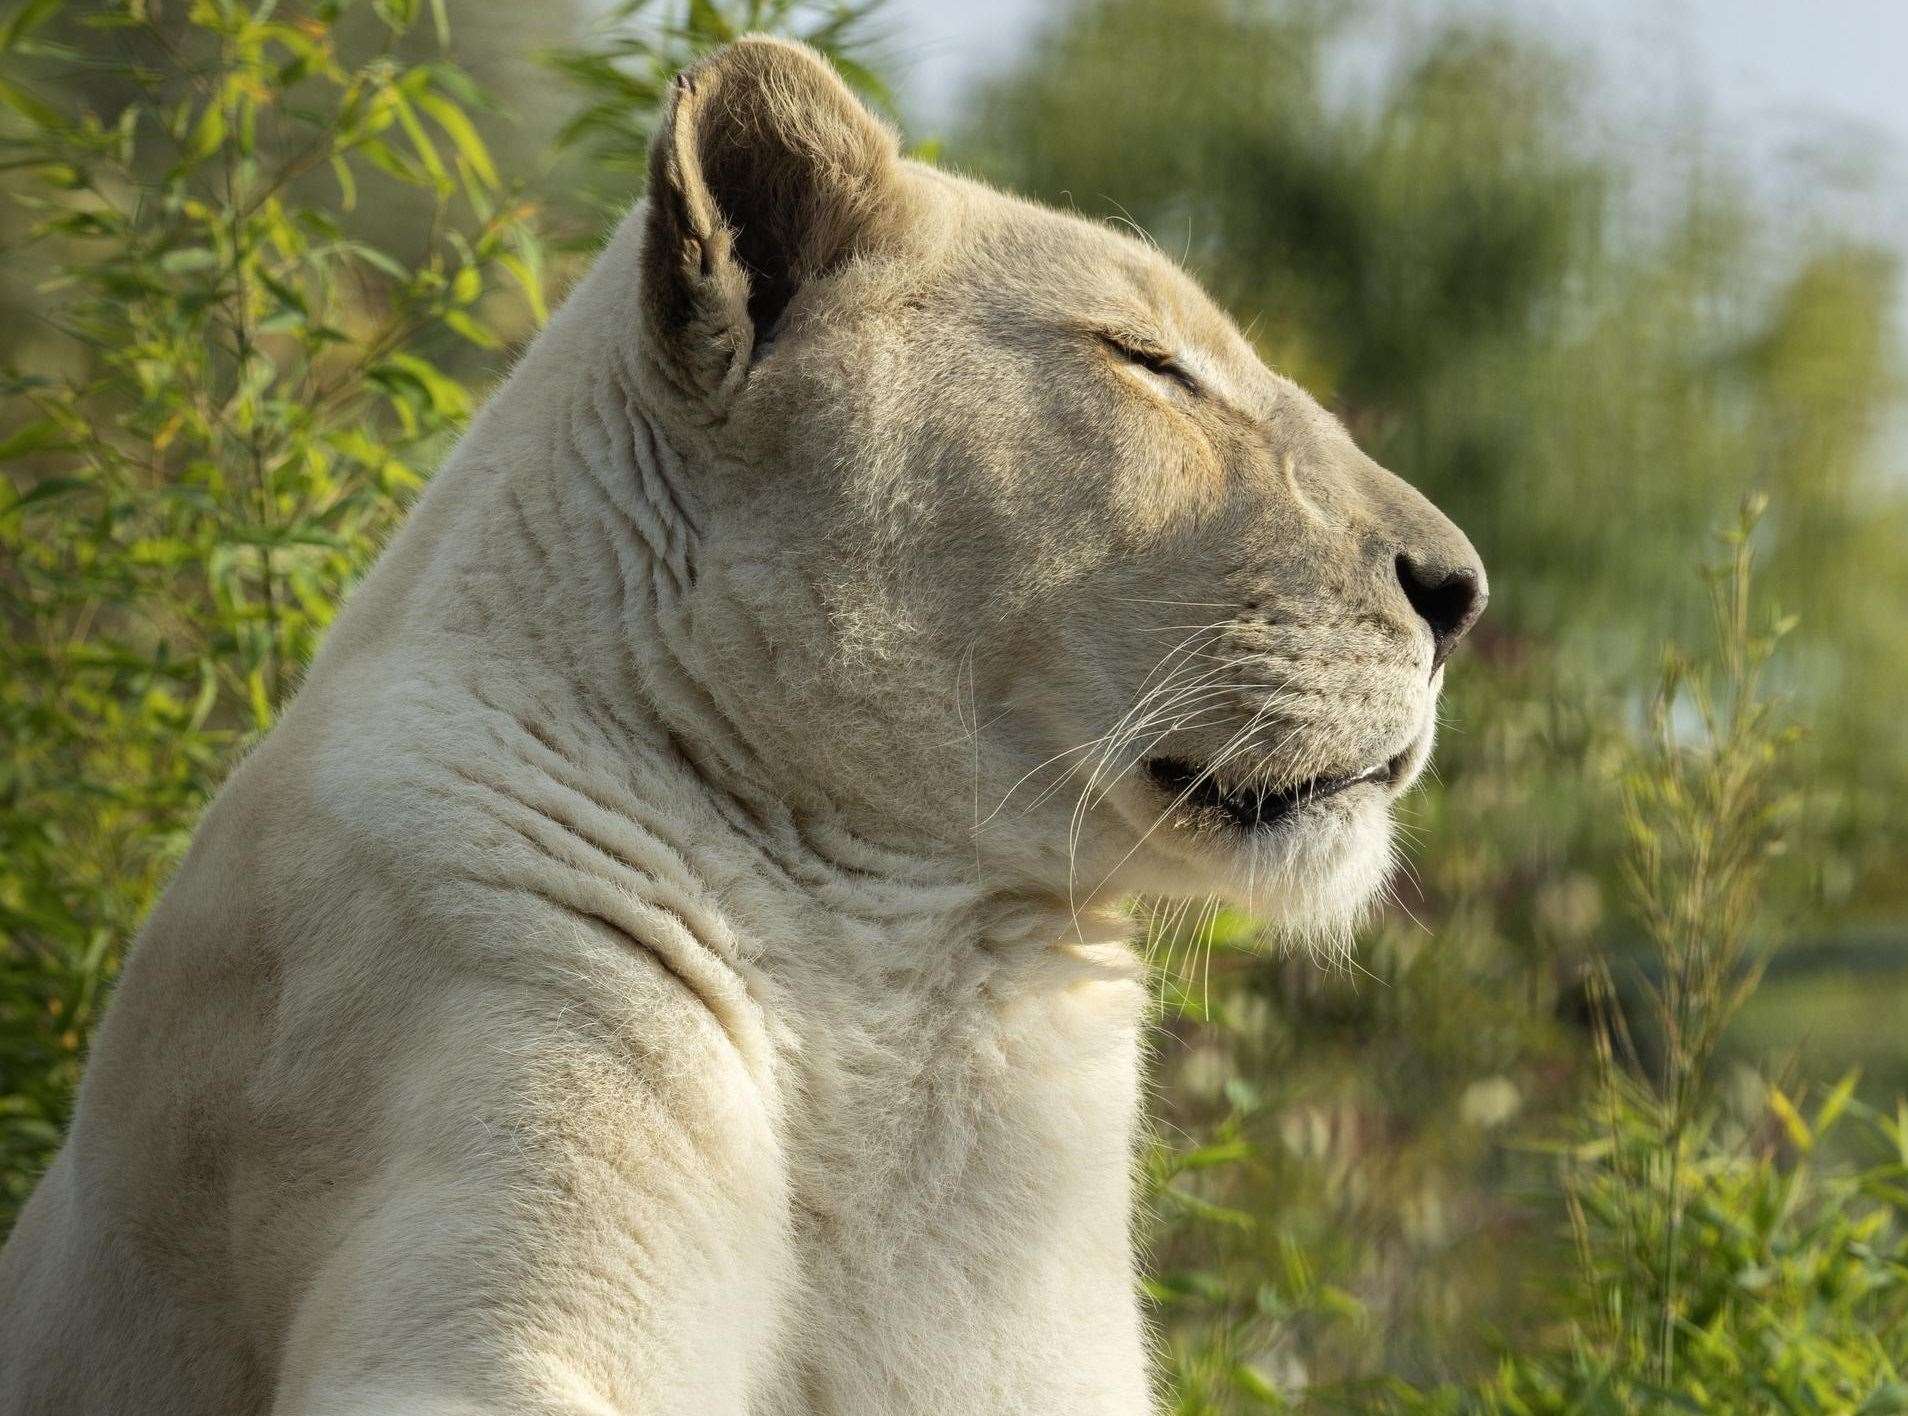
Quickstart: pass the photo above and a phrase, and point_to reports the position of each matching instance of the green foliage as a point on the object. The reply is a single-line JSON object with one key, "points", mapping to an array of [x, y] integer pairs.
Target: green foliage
{"points": [[231, 402], [1380, 1107], [1725, 1270]]}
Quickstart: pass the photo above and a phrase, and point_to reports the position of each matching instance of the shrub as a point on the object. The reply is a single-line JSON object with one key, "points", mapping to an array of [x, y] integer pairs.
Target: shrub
{"points": [[1722, 1264], [233, 404]]}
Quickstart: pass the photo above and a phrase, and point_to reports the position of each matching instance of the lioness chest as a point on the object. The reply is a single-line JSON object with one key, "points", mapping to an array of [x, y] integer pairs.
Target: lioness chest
{"points": [[959, 1191]]}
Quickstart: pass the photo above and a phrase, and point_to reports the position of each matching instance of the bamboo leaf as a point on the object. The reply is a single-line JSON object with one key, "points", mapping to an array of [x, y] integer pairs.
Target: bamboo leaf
{"points": [[463, 135], [1791, 1119]]}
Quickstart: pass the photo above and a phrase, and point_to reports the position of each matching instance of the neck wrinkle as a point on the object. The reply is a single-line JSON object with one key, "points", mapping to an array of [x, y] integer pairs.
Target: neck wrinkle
{"points": [[628, 502], [634, 525]]}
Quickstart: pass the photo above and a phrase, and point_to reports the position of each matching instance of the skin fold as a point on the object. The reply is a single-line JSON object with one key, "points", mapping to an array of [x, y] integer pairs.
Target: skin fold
{"points": [[672, 955]]}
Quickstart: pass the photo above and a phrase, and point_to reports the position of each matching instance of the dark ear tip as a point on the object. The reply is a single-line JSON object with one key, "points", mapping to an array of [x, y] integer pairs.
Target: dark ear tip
{"points": [[755, 59]]}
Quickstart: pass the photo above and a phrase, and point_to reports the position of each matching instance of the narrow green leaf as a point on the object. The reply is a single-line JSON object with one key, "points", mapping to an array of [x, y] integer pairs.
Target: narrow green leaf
{"points": [[463, 135], [347, 184], [1831, 1109], [470, 329], [36, 436], [34, 109]]}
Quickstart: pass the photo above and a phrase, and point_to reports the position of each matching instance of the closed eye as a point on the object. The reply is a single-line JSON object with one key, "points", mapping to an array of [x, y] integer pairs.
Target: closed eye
{"points": [[1153, 360]]}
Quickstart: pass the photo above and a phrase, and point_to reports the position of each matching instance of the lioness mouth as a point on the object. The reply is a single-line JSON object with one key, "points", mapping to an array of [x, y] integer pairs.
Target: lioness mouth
{"points": [[1250, 808]]}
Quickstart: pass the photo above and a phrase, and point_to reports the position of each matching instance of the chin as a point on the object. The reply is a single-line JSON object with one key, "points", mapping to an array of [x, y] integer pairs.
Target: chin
{"points": [[1310, 860], [1312, 878], [1317, 888]]}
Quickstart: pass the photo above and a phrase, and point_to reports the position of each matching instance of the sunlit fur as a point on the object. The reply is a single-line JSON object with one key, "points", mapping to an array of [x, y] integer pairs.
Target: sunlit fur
{"points": [[674, 955]]}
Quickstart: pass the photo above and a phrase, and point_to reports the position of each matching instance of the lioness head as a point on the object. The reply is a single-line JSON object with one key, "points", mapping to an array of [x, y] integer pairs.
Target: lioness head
{"points": [[1010, 549]]}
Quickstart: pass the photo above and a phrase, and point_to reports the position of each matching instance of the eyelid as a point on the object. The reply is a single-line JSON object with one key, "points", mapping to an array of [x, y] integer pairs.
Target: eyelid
{"points": [[1152, 358]]}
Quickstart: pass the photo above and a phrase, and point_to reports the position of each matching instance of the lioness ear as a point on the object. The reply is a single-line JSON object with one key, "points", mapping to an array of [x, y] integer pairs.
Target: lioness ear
{"points": [[766, 172]]}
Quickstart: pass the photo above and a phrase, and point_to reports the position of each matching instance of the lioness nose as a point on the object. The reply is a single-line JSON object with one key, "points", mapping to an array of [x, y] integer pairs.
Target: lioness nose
{"points": [[1447, 598]]}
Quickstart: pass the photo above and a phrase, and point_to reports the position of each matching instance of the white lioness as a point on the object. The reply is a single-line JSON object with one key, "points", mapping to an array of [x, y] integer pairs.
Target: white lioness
{"points": [[669, 958]]}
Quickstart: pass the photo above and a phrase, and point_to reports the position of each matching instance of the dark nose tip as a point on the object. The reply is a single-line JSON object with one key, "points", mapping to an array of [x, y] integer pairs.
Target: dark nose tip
{"points": [[1448, 600]]}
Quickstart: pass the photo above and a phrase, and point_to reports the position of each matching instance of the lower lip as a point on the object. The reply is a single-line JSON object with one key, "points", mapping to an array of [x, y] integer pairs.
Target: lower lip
{"points": [[1187, 788]]}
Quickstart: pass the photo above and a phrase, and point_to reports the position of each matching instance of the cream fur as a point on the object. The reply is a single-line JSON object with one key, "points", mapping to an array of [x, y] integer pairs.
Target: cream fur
{"points": [[670, 958]]}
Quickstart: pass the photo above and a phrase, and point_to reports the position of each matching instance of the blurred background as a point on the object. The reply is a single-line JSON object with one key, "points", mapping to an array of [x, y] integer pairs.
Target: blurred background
{"points": [[1606, 1115]]}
